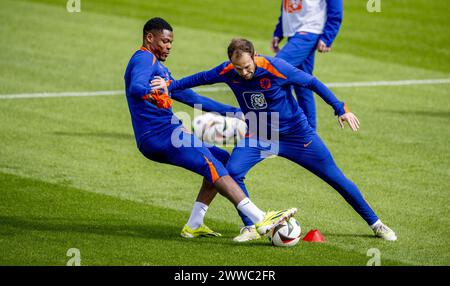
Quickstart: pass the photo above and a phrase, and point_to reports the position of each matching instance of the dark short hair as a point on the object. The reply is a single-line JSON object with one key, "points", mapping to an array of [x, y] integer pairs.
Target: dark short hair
{"points": [[156, 25], [239, 46]]}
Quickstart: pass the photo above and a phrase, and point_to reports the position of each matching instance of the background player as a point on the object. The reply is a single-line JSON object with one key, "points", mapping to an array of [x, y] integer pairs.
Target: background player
{"points": [[161, 137], [308, 25], [262, 85]]}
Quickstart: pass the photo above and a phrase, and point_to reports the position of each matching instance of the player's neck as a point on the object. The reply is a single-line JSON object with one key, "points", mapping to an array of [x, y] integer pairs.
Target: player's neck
{"points": [[146, 47]]}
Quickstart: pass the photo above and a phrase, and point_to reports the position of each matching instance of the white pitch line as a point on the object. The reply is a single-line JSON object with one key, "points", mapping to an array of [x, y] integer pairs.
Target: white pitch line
{"points": [[223, 88], [60, 94], [390, 83]]}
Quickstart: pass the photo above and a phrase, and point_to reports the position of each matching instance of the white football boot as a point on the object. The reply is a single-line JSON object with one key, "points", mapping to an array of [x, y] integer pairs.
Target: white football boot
{"points": [[383, 231], [247, 233]]}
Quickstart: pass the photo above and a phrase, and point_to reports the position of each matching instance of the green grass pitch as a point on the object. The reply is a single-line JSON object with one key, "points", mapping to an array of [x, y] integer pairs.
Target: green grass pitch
{"points": [[71, 176]]}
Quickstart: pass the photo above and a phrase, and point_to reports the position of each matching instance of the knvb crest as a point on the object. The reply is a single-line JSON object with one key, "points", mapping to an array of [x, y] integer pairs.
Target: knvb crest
{"points": [[265, 83], [292, 6], [255, 100]]}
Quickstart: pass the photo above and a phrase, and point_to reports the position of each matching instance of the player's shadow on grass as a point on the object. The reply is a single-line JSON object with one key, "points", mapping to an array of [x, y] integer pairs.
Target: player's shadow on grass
{"points": [[123, 228], [439, 114], [109, 135], [111, 228], [120, 228]]}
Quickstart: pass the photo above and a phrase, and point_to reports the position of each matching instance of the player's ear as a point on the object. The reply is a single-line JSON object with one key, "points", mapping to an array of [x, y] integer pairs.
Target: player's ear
{"points": [[150, 37]]}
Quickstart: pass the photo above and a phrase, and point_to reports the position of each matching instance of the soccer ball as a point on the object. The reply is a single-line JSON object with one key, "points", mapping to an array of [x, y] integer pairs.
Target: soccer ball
{"points": [[219, 130], [286, 233]]}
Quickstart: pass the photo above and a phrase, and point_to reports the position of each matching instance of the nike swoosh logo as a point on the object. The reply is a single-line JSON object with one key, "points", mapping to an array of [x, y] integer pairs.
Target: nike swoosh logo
{"points": [[307, 144], [249, 135]]}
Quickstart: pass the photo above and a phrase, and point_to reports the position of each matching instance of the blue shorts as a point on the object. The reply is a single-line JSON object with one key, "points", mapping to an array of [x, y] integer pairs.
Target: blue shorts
{"points": [[179, 148]]}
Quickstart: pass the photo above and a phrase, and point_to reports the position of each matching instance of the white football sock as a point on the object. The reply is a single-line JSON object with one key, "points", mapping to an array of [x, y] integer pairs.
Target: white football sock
{"points": [[250, 210], [377, 223], [197, 215]]}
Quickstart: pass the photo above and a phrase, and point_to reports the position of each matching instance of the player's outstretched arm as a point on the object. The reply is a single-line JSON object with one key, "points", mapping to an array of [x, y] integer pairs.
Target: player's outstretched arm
{"points": [[202, 78], [298, 77], [341, 110], [193, 99]]}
